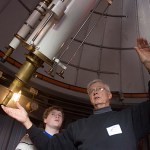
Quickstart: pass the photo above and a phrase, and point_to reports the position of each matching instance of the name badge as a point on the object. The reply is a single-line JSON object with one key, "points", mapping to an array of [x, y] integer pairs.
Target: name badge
{"points": [[113, 130]]}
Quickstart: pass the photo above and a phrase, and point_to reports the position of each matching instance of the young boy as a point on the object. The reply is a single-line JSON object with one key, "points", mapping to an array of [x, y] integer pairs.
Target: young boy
{"points": [[52, 118]]}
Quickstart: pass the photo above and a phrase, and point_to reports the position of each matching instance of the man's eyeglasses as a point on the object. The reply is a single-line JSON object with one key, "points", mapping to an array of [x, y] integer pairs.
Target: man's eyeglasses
{"points": [[97, 89]]}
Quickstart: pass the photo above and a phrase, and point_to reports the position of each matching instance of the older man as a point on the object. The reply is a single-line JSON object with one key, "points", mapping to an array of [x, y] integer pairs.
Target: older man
{"points": [[105, 129]]}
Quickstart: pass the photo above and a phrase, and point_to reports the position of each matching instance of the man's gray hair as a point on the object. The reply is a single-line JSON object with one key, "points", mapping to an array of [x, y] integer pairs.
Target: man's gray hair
{"points": [[99, 81]]}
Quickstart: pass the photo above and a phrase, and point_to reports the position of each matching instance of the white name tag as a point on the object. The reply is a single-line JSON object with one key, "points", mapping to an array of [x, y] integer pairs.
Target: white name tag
{"points": [[115, 129]]}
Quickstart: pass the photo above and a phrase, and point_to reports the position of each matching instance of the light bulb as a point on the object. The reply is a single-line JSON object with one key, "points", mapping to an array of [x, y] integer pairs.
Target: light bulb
{"points": [[16, 96]]}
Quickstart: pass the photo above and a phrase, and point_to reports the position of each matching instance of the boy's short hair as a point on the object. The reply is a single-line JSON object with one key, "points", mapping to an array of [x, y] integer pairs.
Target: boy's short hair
{"points": [[49, 109]]}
